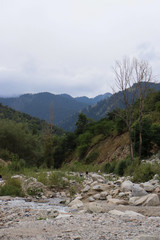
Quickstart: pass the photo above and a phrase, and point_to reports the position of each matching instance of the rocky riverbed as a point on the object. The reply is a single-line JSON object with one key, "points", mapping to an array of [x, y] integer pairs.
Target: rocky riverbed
{"points": [[49, 220], [105, 207]]}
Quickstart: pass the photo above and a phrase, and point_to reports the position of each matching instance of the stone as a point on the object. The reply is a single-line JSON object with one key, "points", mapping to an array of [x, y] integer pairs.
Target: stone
{"points": [[148, 186], [94, 208], [117, 201], [148, 200], [97, 196], [86, 189], [91, 199], [152, 200], [76, 203], [97, 177], [138, 191], [127, 186], [116, 212], [98, 188]]}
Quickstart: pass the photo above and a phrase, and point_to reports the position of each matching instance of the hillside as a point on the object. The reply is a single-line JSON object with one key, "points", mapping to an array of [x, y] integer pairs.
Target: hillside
{"points": [[43, 105], [34, 124], [101, 109]]}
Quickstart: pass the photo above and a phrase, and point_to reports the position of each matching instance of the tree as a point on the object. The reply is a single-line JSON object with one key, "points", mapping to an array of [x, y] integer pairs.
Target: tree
{"points": [[81, 123], [132, 78], [124, 80], [143, 76]]}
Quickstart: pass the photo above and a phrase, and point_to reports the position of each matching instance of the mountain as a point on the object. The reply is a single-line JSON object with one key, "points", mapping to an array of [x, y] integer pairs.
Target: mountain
{"points": [[49, 106], [34, 124], [102, 108], [92, 101]]}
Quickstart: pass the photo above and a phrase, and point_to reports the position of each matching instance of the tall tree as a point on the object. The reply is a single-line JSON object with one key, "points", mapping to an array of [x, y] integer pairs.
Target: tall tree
{"points": [[132, 78]]}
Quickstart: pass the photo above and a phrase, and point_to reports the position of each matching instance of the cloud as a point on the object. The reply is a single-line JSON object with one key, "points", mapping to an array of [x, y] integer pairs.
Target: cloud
{"points": [[70, 46]]}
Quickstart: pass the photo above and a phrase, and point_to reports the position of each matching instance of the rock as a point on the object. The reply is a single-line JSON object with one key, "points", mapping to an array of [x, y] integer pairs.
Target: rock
{"points": [[126, 213], [116, 212], [138, 191], [94, 208], [103, 195], [97, 196], [91, 199], [86, 189], [76, 203], [152, 200], [117, 201], [17, 177], [148, 187], [98, 188], [148, 200], [133, 214], [97, 177], [127, 186]]}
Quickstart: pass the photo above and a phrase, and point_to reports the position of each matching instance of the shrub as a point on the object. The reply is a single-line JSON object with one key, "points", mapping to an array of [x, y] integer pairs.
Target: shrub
{"points": [[92, 157], [143, 173], [12, 188]]}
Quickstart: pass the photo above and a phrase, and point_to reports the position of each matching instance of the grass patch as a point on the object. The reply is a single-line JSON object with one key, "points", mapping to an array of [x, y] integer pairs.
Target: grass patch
{"points": [[12, 188]]}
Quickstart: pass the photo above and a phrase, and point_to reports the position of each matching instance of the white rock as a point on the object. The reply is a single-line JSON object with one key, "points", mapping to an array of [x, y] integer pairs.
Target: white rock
{"points": [[76, 203], [86, 189], [94, 207], [138, 191], [98, 188], [91, 199], [117, 201], [148, 187], [127, 186], [116, 212], [96, 196]]}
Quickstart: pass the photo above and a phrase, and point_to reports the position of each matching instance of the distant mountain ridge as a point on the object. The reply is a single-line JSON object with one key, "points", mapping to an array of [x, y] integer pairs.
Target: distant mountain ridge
{"points": [[43, 105], [101, 109]]}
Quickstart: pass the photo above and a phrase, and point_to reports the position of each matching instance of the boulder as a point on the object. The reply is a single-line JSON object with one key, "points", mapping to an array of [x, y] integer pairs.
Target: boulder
{"points": [[117, 201], [127, 186], [97, 177], [86, 189], [148, 200], [98, 188], [76, 203], [97, 196], [148, 186], [126, 213], [138, 191], [152, 200], [94, 208], [91, 199]]}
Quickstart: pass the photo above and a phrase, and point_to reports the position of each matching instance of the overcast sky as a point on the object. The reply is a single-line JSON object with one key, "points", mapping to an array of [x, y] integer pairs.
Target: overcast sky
{"points": [[70, 46]]}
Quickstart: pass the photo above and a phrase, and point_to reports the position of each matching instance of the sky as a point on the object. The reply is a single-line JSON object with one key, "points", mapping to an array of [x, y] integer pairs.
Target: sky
{"points": [[70, 46]]}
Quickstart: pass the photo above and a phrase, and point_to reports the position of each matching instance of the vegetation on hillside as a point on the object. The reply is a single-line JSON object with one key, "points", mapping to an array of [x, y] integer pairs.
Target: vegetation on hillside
{"points": [[24, 147]]}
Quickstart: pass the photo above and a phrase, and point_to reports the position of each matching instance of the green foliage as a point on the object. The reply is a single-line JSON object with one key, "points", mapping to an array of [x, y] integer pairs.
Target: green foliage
{"points": [[56, 178], [81, 123], [143, 173], [12, 188], [72, 191], [34, 191], [92, 157]]}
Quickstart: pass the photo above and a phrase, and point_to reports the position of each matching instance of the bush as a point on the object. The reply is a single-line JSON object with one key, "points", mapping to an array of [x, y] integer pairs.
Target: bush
{"points": [[92, 157], [143, 173], [12, 188]]}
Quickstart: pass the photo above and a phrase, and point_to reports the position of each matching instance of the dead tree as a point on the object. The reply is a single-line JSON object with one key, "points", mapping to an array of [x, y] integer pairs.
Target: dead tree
{"points": [[132, 78], [124, 80], [143, 78]]}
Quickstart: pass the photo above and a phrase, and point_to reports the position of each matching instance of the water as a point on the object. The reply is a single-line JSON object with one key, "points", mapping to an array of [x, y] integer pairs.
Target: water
{"points": [[50, 204]]}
